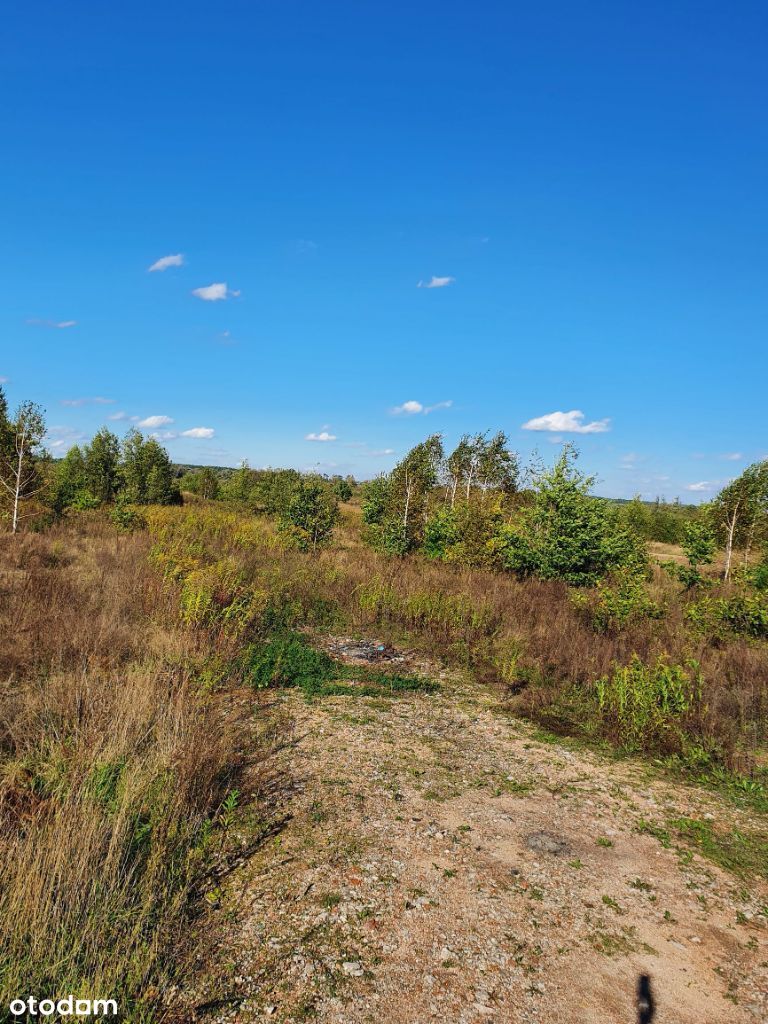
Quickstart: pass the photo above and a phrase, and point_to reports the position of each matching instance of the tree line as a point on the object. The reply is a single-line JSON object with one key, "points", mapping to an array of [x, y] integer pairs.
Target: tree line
{"points": [[134, 470], [478, 507], [475, 505]]}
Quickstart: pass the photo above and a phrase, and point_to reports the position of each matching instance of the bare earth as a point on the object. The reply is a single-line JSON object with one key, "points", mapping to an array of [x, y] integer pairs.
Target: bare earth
{"points": [[441, 864]]}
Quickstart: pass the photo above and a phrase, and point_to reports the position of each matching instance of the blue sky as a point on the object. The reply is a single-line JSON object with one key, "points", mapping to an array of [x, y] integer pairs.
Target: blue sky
{"points": [[584, 184]]}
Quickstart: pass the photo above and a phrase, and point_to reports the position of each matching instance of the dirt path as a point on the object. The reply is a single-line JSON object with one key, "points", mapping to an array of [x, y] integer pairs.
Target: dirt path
{"points": [[440, 864]]}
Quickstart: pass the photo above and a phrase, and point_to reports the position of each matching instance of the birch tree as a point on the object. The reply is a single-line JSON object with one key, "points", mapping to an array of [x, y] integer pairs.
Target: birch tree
{"points": [[740, 509], [457, 467], [497, 466], [20, 457]]}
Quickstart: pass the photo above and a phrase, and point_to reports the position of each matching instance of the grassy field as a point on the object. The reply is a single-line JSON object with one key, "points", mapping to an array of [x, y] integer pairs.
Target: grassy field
{"points": [[114, 771], [124, 750]]}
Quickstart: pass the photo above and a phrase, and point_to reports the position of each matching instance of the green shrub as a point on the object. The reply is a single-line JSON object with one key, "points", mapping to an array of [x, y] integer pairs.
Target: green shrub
{"points": [[441, 532], [646, 707], [565, 533], [127, 517], [618, 602], [312, 512], [745, 614], [699, 545], [83, 500]]}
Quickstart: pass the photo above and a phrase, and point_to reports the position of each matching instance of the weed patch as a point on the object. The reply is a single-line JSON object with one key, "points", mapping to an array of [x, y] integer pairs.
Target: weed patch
{"points": [[288, 660]]}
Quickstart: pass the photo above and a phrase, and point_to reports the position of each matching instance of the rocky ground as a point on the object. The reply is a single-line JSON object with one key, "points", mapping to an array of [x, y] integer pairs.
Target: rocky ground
{"points": [[439, 861]]}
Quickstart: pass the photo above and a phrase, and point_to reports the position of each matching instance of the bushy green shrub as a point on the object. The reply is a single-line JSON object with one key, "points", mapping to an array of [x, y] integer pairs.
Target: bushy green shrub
{"points": [[745, 614], [646, 707], [565, 533], [375, 494], [310, 516], [618, 601], [83, 500], [127, 517], [700, 545], [441, 532]]}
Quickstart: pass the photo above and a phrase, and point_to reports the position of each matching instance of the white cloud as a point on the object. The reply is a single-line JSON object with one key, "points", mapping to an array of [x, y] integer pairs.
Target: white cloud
{"points": [[3, 380], [119, 416], [199, 432], [702, 485], [215, 292], [567, 423], [381, 451], [57, 324], [413, 408], [76, 402], [164, 435], [63, 437], [436, 282], [167, 261], [732, 456], [408, 409], [322, 436], [155, 421]]}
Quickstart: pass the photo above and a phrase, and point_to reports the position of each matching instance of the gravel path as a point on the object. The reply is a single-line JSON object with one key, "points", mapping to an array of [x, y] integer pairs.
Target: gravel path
{"points": [[442, 864]]}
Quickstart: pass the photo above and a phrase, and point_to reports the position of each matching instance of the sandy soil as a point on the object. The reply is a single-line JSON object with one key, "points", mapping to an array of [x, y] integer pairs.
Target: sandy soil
{"points": [[439, 863]]}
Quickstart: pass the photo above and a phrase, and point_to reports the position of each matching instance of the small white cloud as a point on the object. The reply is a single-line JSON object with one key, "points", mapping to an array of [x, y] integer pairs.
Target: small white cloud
{"points": [[305, 245], [376, 452], [702, 485], [200, 432], [215, 292], [438, 405], [3, 380], [164, 262], [63, 437], [567, 423], [155, 421], [322, 436], [436, 282], [56, 324], [732, 456], [413, 408], [119, 416], [164, 435]]}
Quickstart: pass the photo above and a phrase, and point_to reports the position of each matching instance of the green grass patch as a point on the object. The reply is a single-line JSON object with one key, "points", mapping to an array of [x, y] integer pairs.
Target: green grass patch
{"points": [[743, 853], [288, 660]]}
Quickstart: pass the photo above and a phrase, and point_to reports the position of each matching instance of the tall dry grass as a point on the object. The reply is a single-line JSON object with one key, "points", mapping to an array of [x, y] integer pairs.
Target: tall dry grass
{"points": [[113, 765]]}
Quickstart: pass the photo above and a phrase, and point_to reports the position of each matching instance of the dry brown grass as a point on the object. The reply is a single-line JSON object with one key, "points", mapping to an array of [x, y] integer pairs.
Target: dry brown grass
{"points": [[111, 761]]}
